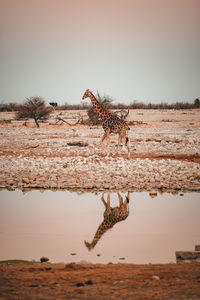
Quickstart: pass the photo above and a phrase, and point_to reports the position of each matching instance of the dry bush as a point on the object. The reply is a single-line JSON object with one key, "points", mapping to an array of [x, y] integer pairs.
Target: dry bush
{"points": [[9, 107], [34, 108]]}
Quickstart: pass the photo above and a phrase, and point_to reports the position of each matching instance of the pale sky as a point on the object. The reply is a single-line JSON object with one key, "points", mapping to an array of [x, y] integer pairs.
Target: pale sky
{"points": [[144, 50]]}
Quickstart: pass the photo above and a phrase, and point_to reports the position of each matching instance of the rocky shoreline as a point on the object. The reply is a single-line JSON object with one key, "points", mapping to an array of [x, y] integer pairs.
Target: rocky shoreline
{"points": [[98, 173]]}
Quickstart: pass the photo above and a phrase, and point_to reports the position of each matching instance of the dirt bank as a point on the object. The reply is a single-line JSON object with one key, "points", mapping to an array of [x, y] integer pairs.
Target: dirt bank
{"points": [[74, 281]]}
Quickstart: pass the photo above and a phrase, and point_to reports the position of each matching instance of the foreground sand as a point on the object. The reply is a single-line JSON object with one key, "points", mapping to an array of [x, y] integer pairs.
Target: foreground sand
{"points": [[74, 281]]}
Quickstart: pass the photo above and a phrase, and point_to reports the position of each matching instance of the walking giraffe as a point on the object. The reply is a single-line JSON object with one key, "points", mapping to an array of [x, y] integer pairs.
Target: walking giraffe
{"points": [[112, 215], [110, 122]]}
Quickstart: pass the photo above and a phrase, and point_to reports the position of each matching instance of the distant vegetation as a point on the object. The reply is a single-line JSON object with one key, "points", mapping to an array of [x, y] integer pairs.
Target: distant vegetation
{"points": [[108, 102]]}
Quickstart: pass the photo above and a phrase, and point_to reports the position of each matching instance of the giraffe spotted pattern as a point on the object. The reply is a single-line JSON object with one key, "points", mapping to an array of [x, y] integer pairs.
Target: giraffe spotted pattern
{"points": [[112, 215], [110, 122]]}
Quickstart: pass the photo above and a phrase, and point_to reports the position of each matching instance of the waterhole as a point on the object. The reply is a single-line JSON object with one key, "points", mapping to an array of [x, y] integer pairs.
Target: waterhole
{"points": [[97, 227]]}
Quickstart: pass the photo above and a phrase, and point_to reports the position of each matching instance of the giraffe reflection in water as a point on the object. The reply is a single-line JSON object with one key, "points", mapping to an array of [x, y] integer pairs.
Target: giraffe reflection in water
{"points": [[112, 215]]}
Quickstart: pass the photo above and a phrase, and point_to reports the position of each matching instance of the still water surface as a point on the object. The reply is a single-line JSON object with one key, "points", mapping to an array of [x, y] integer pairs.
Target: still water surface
{"points": [[62, 225]]}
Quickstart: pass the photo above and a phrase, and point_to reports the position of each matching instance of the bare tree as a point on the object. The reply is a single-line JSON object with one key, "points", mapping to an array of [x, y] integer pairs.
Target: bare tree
{"points": [[34, 108]]}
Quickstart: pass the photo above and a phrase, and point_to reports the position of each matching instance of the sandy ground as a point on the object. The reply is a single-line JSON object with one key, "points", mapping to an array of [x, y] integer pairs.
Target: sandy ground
{"points": [[164, 146], [121, 281]]}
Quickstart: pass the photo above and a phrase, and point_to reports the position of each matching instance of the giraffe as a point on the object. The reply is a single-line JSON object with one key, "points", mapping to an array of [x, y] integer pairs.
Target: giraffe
{"points": [[112, 215], [110, 122]]}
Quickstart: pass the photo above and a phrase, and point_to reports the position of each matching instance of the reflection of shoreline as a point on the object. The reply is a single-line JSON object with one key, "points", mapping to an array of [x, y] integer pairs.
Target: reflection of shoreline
{"points": [[112, 215]]}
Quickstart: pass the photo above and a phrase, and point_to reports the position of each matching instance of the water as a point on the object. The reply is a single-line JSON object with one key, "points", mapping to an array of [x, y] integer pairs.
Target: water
{"points": [[56, 224]]}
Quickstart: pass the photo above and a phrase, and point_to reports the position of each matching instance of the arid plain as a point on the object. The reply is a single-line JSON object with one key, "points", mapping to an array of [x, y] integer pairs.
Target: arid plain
{"points": [[164, 146]]}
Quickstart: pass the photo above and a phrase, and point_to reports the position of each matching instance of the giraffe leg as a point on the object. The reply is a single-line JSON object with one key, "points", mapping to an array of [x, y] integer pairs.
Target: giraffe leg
{"points": [[120, 199], [103, 200], [106, 137], [128, 197], [103, 138], [124, 205], [119, 142], [127, 201], [108, 203], [126, 141], [128, 146]]}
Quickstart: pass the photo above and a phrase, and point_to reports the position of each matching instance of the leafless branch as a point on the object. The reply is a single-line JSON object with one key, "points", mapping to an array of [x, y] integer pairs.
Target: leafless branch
{"points": [[60, 119], [122, 114]]}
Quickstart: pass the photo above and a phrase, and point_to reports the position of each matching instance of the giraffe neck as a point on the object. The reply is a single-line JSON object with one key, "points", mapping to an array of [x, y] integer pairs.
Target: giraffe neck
{"points": [[100, 110], [100, 231]]}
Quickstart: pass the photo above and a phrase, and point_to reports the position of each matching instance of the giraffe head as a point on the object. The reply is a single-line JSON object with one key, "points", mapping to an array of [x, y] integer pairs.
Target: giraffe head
{"points": [[86, 94]]}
